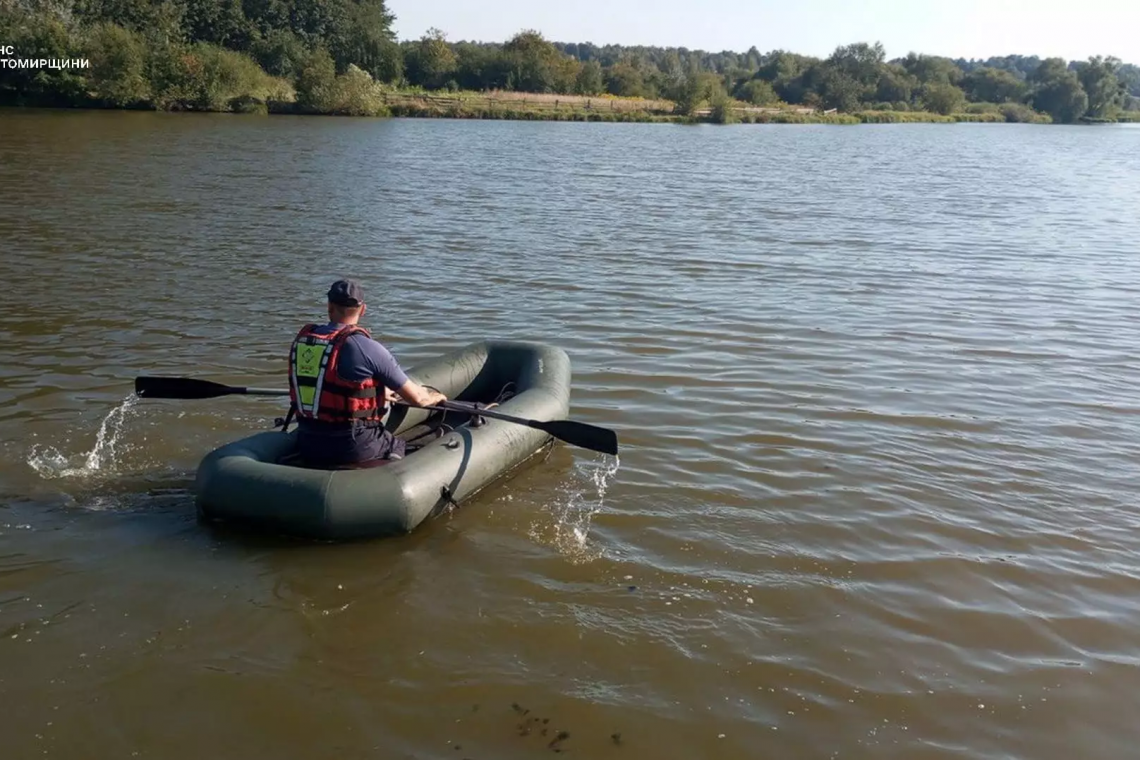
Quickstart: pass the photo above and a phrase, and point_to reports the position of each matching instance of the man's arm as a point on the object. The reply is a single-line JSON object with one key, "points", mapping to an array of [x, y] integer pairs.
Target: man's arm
{"points": [[391, 375], [414, 393]]}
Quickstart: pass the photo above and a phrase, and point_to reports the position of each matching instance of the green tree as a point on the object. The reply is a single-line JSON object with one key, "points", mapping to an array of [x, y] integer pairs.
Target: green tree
{"points": [[316, 84], [591, 80], [219, 22], [133, 15], [624, 79], [722, 109], [479, 66], [701, 88], [1104, 89], [356, 94], [861, 63], [757, 92], [280, 53], [43, 36], [895, 84], [118, 66], [1059, 93], [388, 66], [1049, 70], [1129, 76], [782, 66], [848, 78], [931, 69], [831, 87], [943, 98], [431, 62], [672, 72], [535, 65], [988, 85]]}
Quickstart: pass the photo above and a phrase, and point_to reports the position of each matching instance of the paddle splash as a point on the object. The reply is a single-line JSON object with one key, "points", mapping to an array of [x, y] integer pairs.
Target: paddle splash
{"points": [[51, 463], [585, 495]]}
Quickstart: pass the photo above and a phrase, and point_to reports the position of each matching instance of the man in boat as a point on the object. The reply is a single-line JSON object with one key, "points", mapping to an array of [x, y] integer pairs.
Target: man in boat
{"points": [[341, 382]]}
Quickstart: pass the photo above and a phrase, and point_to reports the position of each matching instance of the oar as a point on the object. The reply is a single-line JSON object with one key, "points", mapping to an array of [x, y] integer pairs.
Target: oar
{"points": [[188, 388], [575, 433]]}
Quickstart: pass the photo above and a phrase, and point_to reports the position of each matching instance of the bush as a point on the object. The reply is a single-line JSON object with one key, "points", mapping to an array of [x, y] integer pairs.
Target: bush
{"points": [[281, 53], [723, 110], [943, 98], [980, 118], [354, 93], [902, 105], [170, 70], [118, 66], [1021, 113], [316, 84], [358, 95], [980, 108], [41, 37], [757, 92], [204, 77]]}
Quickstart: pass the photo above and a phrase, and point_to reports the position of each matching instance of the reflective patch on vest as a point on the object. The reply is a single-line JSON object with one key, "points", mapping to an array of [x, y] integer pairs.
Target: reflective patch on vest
{"points": [[309, 368], [309, 360]]}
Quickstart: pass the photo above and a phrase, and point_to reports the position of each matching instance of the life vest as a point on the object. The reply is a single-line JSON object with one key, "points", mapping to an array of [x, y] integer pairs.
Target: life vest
{"points": [[318, 393]]}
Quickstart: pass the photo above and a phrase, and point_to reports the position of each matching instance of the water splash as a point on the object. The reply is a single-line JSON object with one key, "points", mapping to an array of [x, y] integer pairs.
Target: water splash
{"points": [[50, 462], [584, 497]]}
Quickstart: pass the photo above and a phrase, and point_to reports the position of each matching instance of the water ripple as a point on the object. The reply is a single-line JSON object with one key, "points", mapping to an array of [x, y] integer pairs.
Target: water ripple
{"points": [[874, 387]]}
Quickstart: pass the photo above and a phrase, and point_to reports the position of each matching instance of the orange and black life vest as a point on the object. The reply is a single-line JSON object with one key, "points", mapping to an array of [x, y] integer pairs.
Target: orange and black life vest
{"points": [[318, 393]]}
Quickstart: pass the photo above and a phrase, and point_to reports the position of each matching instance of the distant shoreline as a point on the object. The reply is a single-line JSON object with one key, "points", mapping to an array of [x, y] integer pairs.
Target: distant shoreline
{"points": [[513, 106]]}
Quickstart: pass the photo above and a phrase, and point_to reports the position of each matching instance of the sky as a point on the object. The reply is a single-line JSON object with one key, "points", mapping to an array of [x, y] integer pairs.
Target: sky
{"points": [[1070, 29]]}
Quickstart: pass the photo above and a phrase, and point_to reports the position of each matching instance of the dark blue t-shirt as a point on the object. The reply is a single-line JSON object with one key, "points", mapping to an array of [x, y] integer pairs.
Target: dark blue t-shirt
{"points": [[360, 358]]}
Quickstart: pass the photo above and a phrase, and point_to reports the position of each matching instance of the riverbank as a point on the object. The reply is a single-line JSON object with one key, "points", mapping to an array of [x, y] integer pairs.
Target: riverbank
{"points": [[354, 94], [530, 106]]}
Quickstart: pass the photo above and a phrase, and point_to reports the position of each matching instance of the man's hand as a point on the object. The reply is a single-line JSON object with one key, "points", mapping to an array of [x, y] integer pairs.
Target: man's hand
{"points": [[434, 398], [416, 394]]}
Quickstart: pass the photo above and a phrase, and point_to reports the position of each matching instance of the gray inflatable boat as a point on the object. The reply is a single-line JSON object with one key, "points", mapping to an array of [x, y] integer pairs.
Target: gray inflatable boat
{"points": [[252, 480]]}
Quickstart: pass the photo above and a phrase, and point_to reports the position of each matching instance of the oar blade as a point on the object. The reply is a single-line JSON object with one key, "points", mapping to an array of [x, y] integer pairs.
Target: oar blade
{"points": [[590, 437], [181, 388]]}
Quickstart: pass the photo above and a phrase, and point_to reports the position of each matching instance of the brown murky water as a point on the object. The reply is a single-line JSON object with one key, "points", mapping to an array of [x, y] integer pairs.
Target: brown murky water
{"points": [[876, 389]]}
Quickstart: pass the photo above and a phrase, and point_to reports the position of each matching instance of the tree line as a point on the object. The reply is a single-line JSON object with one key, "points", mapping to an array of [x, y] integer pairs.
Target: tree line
{"points": [[340, 56]]}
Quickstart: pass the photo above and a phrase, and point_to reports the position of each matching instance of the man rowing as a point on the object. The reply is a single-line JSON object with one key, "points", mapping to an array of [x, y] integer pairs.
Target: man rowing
{"points": [[341, 381]]}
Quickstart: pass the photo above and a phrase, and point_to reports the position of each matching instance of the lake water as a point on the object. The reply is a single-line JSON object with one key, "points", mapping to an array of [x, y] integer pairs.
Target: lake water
{"points": [[875, 388]]}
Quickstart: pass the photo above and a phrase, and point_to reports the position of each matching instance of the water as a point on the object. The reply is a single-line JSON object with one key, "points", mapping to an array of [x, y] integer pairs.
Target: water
{"points": [[874, 388]]}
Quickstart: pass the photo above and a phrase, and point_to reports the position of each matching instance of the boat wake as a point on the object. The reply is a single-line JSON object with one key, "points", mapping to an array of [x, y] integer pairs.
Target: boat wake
{"points": [[51, 463], [584, 497]]}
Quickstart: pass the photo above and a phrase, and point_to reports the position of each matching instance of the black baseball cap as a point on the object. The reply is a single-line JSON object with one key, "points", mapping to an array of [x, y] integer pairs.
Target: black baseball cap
{"points": [[346, 293]]}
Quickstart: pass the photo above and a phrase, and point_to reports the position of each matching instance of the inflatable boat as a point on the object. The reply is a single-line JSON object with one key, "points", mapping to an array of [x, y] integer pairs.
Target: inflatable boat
{"points": [[452, 455]]}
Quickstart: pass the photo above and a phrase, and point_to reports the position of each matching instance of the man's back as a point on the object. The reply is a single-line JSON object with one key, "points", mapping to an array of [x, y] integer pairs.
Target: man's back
{"points": [[348, 406], [361, 358]]}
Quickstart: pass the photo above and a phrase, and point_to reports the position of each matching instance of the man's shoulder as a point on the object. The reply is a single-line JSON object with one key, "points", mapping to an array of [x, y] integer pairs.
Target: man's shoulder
{"points": [[369, 346], [363, 338]]}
